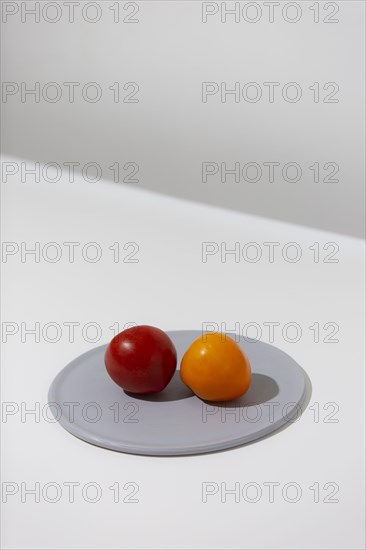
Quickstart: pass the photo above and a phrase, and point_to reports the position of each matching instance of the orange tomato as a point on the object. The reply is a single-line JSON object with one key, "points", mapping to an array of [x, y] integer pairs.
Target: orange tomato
{"points": [[215, 368]]}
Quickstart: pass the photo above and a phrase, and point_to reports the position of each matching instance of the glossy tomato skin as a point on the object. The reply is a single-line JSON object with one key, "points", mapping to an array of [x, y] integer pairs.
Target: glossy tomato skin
{"points": [[215, 368], [141, 359]]}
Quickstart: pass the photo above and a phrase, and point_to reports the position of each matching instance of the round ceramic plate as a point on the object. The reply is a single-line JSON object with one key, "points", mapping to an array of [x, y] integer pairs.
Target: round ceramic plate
{"points": [[89, 405]]}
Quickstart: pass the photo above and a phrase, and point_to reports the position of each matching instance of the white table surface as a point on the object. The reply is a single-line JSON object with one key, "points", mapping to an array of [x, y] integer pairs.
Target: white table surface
{"points": [[172, 288]]}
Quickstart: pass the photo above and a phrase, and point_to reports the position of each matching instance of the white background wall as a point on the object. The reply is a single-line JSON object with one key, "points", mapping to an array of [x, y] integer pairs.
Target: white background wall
{"points": [[169, 132]]}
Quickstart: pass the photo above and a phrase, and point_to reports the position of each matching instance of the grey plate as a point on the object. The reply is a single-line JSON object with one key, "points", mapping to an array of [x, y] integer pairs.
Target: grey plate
{"points": [[88, 404]]}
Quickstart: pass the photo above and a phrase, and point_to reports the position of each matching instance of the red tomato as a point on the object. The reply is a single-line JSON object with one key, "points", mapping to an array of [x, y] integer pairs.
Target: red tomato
{"points": [[141, 359]]}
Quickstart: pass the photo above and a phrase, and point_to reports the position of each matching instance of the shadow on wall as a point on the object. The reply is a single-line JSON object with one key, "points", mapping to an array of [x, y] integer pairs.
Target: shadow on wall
{"points": [[182, 120]]}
